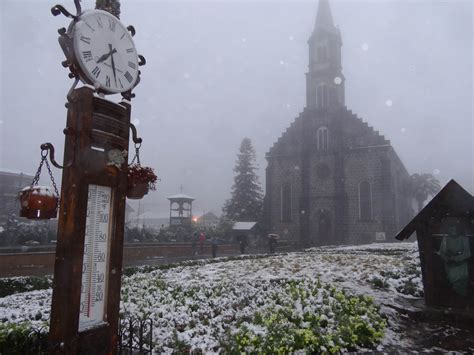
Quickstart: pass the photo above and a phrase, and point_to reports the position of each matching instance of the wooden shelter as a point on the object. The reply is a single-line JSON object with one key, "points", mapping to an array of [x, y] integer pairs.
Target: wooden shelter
{"points": [[445, 234]]}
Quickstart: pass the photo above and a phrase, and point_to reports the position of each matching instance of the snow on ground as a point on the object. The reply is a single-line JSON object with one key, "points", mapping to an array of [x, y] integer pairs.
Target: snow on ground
{"points": [[202, 301]]}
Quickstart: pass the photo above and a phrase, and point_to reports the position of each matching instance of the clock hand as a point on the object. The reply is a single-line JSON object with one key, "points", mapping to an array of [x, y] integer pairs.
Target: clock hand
{"points": [[113, 64], [106, 55], [110, 66]]}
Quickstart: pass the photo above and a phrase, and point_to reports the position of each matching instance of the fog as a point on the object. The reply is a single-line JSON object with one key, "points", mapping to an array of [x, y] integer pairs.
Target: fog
{"points": [[219, 71]]}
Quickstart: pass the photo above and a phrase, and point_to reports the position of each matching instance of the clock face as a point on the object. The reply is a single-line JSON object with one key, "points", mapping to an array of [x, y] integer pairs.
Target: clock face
{"points": [[105, 52]]}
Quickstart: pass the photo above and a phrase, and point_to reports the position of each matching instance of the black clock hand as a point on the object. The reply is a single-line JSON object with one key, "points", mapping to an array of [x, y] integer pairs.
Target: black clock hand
{"points": [[113, 64], [105, 56]]}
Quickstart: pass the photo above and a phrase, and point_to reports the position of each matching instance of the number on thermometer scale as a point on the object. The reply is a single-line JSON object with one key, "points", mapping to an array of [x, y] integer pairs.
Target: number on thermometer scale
{"points": [[95, 261]]}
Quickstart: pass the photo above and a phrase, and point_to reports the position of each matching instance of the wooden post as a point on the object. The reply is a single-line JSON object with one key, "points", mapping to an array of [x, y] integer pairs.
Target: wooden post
{"points": [[88, 265]]}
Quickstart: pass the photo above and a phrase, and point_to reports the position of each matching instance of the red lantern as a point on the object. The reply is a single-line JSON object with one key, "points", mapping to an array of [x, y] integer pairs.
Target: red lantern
{"points": [[38, 202]]}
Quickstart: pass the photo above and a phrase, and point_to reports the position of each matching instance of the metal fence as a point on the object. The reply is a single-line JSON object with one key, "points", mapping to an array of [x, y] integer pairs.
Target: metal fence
{"points": [[135, 337]]}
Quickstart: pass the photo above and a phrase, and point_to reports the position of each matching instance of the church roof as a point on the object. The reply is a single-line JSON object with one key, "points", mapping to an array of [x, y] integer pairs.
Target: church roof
{"points": [[324, 15], [357, 134]]}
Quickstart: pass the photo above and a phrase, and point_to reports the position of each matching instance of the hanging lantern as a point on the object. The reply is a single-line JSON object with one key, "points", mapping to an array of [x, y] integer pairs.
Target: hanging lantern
{"points": [[39, 202]]}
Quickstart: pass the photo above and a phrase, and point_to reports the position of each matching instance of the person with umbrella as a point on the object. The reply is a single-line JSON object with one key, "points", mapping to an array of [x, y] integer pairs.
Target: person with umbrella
{"points": [[272, 240]]}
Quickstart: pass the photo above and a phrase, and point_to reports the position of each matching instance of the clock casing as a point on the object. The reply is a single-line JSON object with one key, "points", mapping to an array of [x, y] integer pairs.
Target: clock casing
{"points": [[104, 52]]}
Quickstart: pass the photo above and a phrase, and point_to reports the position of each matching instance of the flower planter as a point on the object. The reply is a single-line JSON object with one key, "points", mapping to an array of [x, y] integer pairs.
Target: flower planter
{"points": [[38, 202], [141, 179], [137, 191]]}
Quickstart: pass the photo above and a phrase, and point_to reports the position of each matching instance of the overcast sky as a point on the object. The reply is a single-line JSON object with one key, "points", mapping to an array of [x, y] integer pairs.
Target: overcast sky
{"points": [[218, 71]]}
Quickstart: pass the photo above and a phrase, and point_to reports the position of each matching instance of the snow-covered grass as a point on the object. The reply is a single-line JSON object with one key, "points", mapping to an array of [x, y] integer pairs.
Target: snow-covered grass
{"points": [[313, 300]]}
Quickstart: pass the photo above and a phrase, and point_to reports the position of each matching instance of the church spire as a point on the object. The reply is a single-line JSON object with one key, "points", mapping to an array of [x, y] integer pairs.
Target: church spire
{"points": [[324, 16], [324, 81]]}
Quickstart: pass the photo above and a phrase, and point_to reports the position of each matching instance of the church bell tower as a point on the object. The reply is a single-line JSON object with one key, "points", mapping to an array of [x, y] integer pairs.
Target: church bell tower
{"points": [[324, 80]]}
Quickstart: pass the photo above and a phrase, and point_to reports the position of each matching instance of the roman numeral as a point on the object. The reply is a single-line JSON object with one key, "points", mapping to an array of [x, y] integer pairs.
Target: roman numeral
{"points": [[96, 72], [130, 50], [92, 29], [112, 25], [107, 81], [86, 39], [122, 36], [132, 65], [87, 55], [99, 22], [120, 82], [128, 76]]}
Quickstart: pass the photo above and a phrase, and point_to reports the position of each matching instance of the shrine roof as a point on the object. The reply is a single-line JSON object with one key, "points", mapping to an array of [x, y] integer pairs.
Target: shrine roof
{"points": [[452, 200]]}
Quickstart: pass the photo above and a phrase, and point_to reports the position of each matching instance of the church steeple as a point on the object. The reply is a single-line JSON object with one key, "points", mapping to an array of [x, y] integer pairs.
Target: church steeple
{"points": [[324, 15], [324, 80]]}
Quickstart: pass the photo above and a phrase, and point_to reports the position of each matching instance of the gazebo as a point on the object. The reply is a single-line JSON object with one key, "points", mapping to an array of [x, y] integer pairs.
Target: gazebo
{"points": [[181, 209]]}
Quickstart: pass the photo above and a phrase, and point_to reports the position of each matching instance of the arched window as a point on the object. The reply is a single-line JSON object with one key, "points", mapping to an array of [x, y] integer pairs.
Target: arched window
{"points": [[285, 208], [322, 93], [322, 138], [322, 54], [365, 201]]}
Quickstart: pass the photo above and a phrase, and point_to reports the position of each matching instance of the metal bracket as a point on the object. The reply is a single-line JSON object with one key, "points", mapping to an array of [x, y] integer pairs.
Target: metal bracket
{"points": [[69, 131], [135, 138], [132, 30], [59, 9]]}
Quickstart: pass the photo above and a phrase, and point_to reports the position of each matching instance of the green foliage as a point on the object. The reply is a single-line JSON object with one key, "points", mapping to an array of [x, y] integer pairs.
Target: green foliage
{"points": [[343, 323], [421, 186], [246, 202], [9, 286], [378, 282], [18, 339]]}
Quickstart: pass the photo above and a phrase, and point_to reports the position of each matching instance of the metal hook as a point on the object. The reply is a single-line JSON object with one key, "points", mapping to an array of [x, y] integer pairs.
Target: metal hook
{"points": [[135, 137], [49, 147], [59, 9], [131, 29]]}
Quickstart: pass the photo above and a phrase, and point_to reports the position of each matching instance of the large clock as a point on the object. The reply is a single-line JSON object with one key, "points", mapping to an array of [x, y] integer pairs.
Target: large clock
{"points": [[104, 52]]}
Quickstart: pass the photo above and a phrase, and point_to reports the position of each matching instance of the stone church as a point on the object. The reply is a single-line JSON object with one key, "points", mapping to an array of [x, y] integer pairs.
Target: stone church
{"points": [[331, 178]]}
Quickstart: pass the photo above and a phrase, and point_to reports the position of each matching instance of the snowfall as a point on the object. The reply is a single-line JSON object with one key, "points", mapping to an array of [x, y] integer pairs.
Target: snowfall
{"points": [[196, 304]]}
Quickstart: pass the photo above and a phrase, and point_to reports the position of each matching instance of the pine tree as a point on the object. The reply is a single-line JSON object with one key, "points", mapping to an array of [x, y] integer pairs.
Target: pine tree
{"points": [[112, 6], [246, 202]]}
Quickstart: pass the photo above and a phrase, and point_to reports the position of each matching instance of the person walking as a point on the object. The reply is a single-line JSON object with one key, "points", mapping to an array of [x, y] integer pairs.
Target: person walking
{"points": [[215, 244], [202, 239], [272, 240], [242, 243], [194, 244]]}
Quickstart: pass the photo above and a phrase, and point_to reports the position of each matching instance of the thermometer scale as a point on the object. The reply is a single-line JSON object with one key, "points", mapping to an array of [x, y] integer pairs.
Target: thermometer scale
{"points": [[96, 257]]}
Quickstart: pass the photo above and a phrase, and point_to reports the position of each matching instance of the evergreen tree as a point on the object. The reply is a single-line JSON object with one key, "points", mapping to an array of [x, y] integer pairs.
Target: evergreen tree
{"points": [[112, 6], [246, 202]]}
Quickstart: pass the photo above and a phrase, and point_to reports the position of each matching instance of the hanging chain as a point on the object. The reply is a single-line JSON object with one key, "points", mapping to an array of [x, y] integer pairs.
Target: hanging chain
{"points": [[52, 178], [137, 154], [38, 172], [44, 155]]}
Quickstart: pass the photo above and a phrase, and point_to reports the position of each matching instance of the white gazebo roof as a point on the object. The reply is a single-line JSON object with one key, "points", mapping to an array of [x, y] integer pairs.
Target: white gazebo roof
{"points": [[181, 197]]}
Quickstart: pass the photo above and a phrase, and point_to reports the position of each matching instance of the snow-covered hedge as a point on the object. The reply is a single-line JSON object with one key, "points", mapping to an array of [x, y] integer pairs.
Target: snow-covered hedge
{"points": [[316, 300]]}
